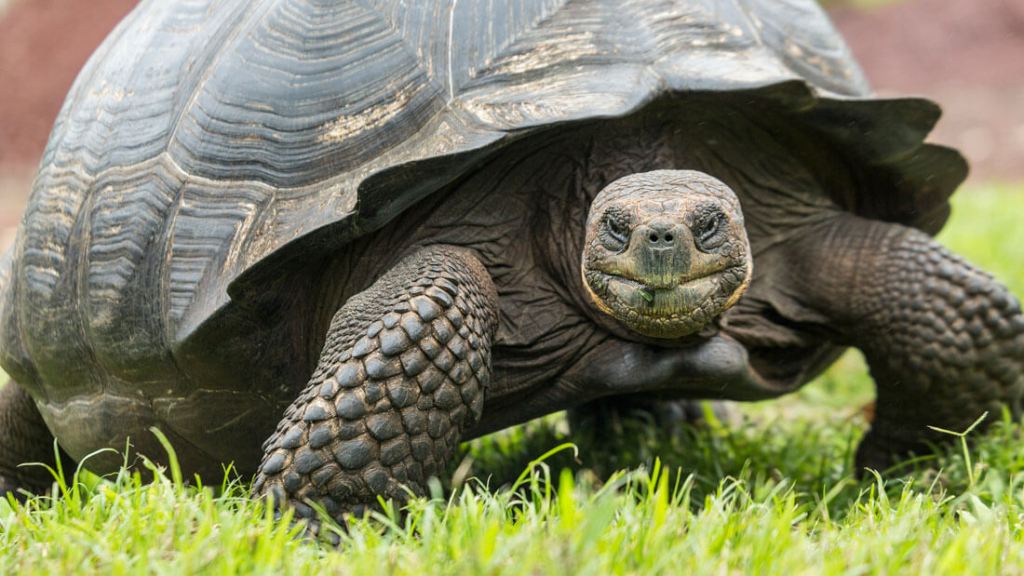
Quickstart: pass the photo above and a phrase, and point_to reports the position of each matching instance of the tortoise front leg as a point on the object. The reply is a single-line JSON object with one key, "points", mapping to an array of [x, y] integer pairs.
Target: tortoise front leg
{"points": [[616, 370], [943, 339], [402, 374]]}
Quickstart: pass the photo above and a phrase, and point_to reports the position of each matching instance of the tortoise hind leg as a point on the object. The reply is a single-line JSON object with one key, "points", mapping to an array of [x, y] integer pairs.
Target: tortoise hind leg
{"points": [[944, 340], [602, 419], [401, 376], [24, 438]]}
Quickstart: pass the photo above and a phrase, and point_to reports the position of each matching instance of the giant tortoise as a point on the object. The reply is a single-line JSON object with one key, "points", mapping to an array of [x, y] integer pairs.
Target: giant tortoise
{"points": [[328, 240]]}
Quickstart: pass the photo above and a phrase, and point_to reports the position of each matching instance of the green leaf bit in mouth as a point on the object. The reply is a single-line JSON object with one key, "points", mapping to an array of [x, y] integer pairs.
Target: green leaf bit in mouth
{"points": [[646, 294]]}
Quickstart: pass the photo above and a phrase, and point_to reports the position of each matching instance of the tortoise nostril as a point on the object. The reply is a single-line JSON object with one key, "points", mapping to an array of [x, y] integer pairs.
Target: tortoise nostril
{"points": [[662, 233]]}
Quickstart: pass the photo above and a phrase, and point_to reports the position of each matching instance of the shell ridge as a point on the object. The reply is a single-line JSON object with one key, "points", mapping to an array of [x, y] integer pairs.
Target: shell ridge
{"points": [[246, 122]]}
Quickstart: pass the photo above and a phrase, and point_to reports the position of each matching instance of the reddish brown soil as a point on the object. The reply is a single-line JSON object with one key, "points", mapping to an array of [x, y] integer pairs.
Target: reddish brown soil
{"points": [[43, 44], [908, 46], [966, 54]]}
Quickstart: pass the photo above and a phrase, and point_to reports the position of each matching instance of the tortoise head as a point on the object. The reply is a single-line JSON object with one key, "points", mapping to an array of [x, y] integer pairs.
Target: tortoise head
{"points": [[666, 252]]}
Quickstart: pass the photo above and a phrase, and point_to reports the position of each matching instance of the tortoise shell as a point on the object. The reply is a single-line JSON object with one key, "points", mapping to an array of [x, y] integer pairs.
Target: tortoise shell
{"points": [[208, 142]]}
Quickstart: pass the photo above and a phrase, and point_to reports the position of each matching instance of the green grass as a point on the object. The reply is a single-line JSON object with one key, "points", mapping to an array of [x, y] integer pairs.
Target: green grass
{"points": [[771, 494]]}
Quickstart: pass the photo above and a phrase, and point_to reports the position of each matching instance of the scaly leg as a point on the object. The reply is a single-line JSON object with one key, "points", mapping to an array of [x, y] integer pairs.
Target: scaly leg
{"points": [[944, 341], [604, 418], [24, 438], [401, 376], [618, 372]]}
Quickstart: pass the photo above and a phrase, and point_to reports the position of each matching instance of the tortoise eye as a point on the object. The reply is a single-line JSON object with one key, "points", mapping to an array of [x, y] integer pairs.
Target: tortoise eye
{"points": [[709, 232], [616, 232]]}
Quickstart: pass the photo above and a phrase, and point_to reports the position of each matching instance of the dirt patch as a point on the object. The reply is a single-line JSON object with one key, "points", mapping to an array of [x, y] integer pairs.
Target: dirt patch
{"points": [[43, 45], [920, 44], [968, 55], [15, 182]]}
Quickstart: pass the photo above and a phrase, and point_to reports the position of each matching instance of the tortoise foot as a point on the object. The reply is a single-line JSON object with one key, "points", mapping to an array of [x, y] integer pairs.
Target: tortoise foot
{"points": [[401, 376], [608, 417], [25, 439]]}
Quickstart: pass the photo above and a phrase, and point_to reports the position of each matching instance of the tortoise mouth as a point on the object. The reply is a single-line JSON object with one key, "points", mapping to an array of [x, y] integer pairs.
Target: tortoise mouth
{"points": [[675, 311], [662, 301]]}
